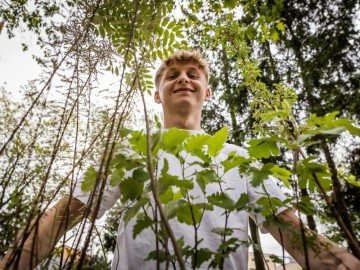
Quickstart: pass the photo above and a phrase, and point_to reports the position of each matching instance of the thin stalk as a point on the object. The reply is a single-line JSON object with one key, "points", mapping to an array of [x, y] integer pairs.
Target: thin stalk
{"points": [[164, 219]]}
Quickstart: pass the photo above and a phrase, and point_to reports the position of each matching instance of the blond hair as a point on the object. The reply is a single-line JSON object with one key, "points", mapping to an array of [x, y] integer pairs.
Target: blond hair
{"points": [[182, 57]]}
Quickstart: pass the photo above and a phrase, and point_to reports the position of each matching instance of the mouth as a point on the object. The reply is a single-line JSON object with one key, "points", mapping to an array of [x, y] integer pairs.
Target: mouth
{"points": [[183, 90]]}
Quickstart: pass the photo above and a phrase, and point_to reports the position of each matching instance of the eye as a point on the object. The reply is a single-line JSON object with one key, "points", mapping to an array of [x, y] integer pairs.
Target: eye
{"points": [[171, 76], [193, 75]]}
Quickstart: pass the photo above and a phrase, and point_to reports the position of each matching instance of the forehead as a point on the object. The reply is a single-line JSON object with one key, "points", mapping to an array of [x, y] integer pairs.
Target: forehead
{"points": [[182, 66]]}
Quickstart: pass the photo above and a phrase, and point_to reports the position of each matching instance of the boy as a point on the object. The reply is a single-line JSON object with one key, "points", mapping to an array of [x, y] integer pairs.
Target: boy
{"points": [[181, 89]]}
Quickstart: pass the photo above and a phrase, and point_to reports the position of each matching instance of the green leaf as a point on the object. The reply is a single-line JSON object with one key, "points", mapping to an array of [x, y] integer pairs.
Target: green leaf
{"points": [[216, 142], [221, 200], [269, 205], [189, 214], [116, 177], [167, 196], [205, 177], [312, 174], [229, 3], [131, 189], [124, 132], [306, 206], [274, 35], [121, 161], [102, 31], [160, 54], [173, 139], [222, 231], [89, 180], [142, 222], [171, 24], [234, 161], [282, 174], [280, 26], [165, 38], [134, 209], [352, 180], [165, 21], [242, 202], [203, 255], [141, 175], [172, 39], [263, 148], [276, 260], [259, 175], [138, 142]]}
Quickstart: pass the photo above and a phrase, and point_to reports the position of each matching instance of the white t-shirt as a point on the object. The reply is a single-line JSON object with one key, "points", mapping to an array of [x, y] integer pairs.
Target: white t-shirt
{"points": [[131, 253]]}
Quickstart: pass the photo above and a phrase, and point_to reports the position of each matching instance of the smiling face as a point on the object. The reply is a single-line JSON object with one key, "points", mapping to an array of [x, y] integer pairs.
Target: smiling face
{"points": [[182, 88]]}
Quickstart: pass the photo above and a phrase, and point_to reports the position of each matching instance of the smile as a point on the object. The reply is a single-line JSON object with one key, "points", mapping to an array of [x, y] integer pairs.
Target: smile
{"points": [[183, 90]]}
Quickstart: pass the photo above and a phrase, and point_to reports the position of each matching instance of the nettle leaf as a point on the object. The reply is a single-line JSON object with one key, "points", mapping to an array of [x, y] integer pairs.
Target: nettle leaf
{"points": [[173, 139], [131, 189], [216, 142], [189, 214], [205, 177], [234, 161], [221, 200], [263, 148], [312, 173], [116, 177], [89, 180], [140, 175], [142, 222]]}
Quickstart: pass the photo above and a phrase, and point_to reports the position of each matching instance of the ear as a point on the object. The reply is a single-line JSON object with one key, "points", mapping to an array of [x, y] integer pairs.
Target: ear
{"points": [[157, 97], [207, 94]]}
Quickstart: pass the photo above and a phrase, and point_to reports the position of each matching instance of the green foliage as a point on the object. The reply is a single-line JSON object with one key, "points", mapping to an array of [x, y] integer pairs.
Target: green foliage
{"points": [[176, 193]]}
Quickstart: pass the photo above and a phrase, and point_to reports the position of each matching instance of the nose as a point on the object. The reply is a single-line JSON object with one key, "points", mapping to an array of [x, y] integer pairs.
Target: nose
{"points": [[183, 78]]}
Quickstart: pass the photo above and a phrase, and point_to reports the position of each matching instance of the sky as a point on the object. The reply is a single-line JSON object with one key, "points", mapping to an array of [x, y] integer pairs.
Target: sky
{"points": [[18, 67]]}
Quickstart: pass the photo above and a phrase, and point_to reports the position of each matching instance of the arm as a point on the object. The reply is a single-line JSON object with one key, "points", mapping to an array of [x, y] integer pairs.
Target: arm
{"points": [[321, 252], [41, 241]]}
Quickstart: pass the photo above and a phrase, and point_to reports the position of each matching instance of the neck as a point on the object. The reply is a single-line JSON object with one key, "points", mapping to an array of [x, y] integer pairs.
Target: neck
{"points": [[190, 122]]}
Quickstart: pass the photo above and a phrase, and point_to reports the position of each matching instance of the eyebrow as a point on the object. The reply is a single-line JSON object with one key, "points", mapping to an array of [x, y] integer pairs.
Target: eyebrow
{"points": [[176, 69]]}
